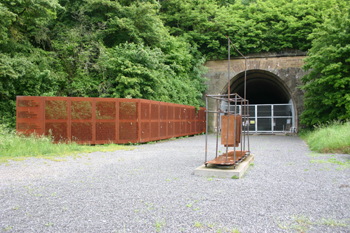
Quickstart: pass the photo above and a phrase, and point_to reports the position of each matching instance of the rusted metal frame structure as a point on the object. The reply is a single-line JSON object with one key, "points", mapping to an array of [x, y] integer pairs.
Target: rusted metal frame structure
{"points": [[106, 120], [235, 98]]}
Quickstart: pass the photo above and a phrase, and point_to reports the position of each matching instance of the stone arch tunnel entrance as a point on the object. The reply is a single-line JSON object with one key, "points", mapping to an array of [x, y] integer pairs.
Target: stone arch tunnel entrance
{"points": [[272, 84], [263, 87], [271, 105]]}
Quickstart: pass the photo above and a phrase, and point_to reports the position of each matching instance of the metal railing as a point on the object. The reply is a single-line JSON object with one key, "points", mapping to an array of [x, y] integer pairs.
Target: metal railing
{"points": [[106, 120], [269, 118]]}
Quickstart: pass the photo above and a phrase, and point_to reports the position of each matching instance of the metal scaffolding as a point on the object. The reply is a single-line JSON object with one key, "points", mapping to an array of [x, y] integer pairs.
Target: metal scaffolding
{"points": [[232, 122]]}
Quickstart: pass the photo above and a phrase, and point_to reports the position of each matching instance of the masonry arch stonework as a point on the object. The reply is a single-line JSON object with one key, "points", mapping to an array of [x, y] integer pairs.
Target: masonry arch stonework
{"points": [[273, 79]]}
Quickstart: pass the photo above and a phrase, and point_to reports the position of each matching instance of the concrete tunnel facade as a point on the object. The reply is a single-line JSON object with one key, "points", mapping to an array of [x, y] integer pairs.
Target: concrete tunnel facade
{"points": [[271, 79]]}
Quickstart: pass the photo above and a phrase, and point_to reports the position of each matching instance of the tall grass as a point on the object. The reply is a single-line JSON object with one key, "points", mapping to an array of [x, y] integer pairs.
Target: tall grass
{"points": [[18, 147], [334, 137]]}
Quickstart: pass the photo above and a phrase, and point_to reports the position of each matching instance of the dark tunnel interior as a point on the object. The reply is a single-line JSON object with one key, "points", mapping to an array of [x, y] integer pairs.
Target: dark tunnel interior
{"points": [[261, 89]]}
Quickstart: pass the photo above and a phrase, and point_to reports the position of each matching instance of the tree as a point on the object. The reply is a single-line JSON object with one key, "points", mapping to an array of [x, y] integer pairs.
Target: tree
{"points": [[25, 69], [254, 26], [327, 85]]}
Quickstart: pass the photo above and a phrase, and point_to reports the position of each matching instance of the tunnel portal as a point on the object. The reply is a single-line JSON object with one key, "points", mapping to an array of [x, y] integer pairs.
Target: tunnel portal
{"points": [[271, 105], [262, 88]]}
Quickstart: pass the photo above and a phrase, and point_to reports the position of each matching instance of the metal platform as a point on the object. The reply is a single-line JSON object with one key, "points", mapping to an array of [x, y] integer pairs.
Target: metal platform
{"points": [[231, 159], [217, 171]]}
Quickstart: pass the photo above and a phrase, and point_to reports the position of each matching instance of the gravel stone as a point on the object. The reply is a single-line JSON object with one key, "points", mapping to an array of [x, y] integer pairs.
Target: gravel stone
{"points": [[152, 188]]}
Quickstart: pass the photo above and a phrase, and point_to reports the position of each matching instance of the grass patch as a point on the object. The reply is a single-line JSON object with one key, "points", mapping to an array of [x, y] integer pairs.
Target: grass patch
{"points": [[302, 223], [331, 138], [345, 164], [20, 147]]}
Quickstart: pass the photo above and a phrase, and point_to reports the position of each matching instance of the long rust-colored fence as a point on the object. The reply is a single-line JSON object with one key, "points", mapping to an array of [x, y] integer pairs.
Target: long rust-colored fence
{"points": [[106, 120]]}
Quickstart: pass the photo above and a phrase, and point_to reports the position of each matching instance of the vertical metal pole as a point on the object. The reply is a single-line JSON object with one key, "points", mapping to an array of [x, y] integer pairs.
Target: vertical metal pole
{"points": [[245, 78], [245, 91], [256, 118], [242, 117], [228, 95], [293, 115], [272, 119], [234, 133], [217, 127], [206, 129], [248, 124]]}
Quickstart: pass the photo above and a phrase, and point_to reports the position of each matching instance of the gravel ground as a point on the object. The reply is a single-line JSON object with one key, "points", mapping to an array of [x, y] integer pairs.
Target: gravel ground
{"points": [[152, 188]]}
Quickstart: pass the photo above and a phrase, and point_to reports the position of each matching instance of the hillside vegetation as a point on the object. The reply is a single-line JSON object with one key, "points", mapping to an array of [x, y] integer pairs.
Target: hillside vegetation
{"points": [[156, 49]]}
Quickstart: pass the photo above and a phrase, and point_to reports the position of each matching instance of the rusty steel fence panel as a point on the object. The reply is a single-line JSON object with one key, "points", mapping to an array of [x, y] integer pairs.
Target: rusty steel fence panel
{"points": [[106, 120], [30, 115]]}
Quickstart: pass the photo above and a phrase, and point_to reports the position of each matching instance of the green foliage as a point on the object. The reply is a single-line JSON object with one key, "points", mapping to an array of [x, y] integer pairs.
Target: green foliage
{"points": [[24, 69], [327, 85], [254, 26], [155, 49], [137, 71], [98, 48], [334, 137], [18, 147], [22, 20], [24, 75]]}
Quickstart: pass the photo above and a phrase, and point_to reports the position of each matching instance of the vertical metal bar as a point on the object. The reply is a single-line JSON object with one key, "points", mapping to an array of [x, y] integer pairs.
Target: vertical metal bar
{"points": [[248, 124], [234, 133], [243, 125], [228, 95], [272, 119], [245, 94], [245, 78], [217, 128], [149, 120], [256, 118], [43, 126], [138, 118], [293, 115], [158, 121], [206, 129], [69, 114]]}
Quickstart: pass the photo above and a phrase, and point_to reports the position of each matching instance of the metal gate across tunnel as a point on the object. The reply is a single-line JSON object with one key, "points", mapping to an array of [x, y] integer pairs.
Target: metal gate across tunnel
{"points": [[267, 118]]}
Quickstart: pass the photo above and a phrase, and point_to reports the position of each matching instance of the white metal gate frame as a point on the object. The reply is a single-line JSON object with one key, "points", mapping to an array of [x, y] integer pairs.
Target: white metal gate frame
{"points": [[254, 119]]}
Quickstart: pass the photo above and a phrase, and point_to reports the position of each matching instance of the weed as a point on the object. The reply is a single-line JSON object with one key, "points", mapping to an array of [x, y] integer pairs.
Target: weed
{"points": [[333, 223], [345, 164], [330, 138], [252, 164], [189, 205], [20, 147], [198, 224], [211, 225], [48, 224], [209, 179], [159, 224], [234, 230], [235, 177], [8, 228], [301, 219]]}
